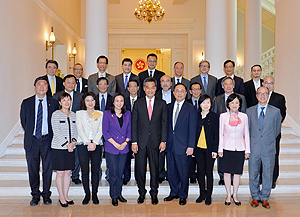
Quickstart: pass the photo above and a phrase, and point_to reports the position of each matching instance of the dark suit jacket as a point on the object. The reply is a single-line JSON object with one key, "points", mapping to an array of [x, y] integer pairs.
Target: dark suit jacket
{"points": [[250, 93], [128, 103], [183, 135], [143, 75], [220, 107], [27, 116], [278, 101], [107, 105], [59, 85], [75, 101], [184, 81], [84, 85], [158, 94], [120, 83], [211, 129], [238, 88], [143, 130], [211, 85], [191, 102]]}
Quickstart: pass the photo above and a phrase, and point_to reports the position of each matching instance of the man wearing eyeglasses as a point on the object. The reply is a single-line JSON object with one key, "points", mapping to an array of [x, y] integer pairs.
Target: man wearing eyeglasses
{"points": [[229, 67], [81, 82]]}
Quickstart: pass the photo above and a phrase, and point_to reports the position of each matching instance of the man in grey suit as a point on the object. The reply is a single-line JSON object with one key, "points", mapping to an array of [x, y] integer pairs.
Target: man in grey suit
{"points": [[207, 82], [178, 71], [102, 62], [264, 127]]}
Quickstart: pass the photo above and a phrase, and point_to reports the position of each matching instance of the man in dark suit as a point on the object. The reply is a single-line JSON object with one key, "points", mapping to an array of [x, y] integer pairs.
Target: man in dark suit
{"points": [[182, 129], [81, 82], [55, 83], [123, 78], [277, 100], [148, 135], [151, 72], [252, 85], [264, 127], [35, 115], [229, 67], [69, 83], [207, 82], [102, 62], [178, 71]]}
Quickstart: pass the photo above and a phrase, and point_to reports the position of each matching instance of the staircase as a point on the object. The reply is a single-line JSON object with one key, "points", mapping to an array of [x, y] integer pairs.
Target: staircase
{"points": [[14, 176]]}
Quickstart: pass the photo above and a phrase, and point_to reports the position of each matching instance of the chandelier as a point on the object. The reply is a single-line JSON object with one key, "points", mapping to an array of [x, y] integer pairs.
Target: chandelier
{"points": [[148, 10]]}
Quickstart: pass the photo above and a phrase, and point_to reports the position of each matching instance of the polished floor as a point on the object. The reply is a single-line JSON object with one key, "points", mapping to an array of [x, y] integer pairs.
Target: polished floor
{"points": [[281, 205]]}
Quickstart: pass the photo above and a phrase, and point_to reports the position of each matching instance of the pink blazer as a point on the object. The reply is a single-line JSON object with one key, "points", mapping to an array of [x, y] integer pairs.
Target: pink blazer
{"points": [[234, 138]]}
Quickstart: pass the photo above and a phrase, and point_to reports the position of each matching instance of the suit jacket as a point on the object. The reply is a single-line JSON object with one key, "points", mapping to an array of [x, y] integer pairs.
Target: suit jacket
{"points": [[220, 107], [143, 130], [27, 116], [120, 83], [92, 82], [59, 85], [211, 85], [278, 101], [107, 105], [111, 129], [183, 135], [84, 85], [75, 101], [238, 87], [128, 103], [250, 93], [143, 75], [186, 82], [263, 141], [158, 94]]}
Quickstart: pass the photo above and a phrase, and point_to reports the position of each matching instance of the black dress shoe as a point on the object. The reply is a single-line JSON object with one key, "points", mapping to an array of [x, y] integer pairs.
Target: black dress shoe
{"points": [[221, 182], [208, 200], [154, 200], [200, 199], [86, 199], [235, 202], [160, 180], [114, 202], [70, 202], [193, 180], [122, 199], [77, 181], [273, 185], [141, 199], [47, 200], [182, 201], [63, 204], [34, 201], [95, 198], [170, 198]]}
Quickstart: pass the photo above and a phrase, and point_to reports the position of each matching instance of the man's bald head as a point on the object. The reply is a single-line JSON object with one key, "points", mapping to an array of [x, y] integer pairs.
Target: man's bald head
{"points": [[165, 82]]}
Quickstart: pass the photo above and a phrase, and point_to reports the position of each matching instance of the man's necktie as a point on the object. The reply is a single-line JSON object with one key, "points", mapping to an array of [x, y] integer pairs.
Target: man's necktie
{"points": [[77, 85], [150, 110], [205, 83], [52, 86], [132, 104], [150, 73], [196, 106], [176, 115], [126, 81], [102, 107], [178, 81], [39, 120], [261, 117]]}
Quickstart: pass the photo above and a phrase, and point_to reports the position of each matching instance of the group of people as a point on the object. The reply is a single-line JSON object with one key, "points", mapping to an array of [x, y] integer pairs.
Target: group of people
{"points": [[187, 124]]}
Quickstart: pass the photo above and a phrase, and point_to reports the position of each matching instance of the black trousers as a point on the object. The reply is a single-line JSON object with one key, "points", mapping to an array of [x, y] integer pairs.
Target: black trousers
{"points": [[205, 165], [127, 169], [141, 168], [40, 149], [75, 172], [193, 173], [84, 159], [162, 165]]}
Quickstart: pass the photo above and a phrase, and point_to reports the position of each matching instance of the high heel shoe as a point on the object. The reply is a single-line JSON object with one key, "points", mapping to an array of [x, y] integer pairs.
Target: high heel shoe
{"points": [[227, 203], [63, 204], [70, 202], [235, 202]]}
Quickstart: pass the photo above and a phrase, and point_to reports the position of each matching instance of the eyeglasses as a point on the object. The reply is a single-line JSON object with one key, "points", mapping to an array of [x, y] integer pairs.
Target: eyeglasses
{"points": [[196, 89], [228, 67], [78, 69], [269, 83], [260, 93], [152, 61], [204, 66]]}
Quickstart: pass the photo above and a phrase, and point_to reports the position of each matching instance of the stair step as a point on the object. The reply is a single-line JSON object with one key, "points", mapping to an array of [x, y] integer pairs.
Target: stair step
{"points": [[290, 138]]}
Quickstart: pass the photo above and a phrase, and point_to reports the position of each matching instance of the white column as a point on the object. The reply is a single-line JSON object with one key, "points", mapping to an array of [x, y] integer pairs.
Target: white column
{"points": [[252, 35], [96, 40], [216, 35], [232, 29]]}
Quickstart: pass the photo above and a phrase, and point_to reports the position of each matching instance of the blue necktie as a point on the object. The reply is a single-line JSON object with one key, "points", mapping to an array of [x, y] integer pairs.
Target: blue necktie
{"points": [[126, 81], [102, 108], [39, 120], [205, 83], [78, 85], [196, 106], [178, 81], [261, 117], [150, 73]]}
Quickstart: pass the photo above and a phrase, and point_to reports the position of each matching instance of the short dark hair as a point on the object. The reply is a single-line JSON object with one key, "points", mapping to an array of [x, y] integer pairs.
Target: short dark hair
{"points": [[41, 78], [177, 63], [133, 80], [231, 97], [51, 61], [126, 60], [152, 55], [82, 102], [69, 76], [201, 99], [100, 79], [112, 106], [194, 84], [229, 61], [255, 66], [63, 95], [150, 79], [180, 84], [224, 79], [204, 61], [102, 56]]}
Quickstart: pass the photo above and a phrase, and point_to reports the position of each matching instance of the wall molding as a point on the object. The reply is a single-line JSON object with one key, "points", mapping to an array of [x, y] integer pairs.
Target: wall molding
{"points": [[9, 139], [291, 123]]}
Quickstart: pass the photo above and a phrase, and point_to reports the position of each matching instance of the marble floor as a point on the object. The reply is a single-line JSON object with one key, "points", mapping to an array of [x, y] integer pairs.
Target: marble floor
{"points": [[281, 205]]}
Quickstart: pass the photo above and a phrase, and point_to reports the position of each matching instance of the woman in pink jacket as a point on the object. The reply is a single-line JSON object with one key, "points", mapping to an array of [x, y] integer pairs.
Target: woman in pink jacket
{"points": [[234, 145]]}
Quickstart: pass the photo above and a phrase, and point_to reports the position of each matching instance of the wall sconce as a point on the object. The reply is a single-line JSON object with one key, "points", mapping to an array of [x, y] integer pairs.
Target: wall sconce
{"points": [[50, 43], [201, 57], [73, 54]]}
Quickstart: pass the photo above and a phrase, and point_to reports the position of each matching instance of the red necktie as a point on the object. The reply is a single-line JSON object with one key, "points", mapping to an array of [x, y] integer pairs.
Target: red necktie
{"points": [[150, 110]]}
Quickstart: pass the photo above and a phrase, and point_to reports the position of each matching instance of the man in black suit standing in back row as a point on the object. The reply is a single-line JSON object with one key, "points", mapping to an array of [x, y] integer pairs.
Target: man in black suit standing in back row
{"points": [[81, 82], [149, 136], [55, 83]]}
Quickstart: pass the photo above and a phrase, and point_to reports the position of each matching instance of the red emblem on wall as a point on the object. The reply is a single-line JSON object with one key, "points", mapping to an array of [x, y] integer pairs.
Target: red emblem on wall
{"points": [[140, 64]]}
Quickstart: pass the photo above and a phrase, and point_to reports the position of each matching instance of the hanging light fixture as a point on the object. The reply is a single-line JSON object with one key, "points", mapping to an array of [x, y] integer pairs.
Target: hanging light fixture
{"points": [[50, 43], [148, 10]]}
